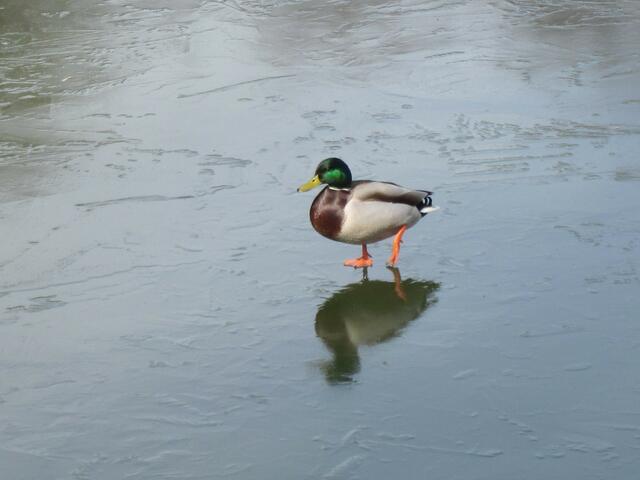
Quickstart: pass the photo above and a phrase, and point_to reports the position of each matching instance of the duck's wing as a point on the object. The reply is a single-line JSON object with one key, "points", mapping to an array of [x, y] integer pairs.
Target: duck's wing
{"points": [[373, 191]]}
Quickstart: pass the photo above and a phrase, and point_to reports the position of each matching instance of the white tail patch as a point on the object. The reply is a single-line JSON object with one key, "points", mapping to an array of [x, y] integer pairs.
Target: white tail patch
{"points": [[426, 210]]}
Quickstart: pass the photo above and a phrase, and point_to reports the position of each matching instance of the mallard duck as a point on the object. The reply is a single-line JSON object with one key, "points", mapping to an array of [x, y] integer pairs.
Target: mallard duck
{"points": [[363, 211]]}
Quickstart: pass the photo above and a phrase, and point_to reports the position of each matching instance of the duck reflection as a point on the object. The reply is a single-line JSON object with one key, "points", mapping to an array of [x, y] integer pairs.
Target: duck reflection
{"points": [[367, 313]]}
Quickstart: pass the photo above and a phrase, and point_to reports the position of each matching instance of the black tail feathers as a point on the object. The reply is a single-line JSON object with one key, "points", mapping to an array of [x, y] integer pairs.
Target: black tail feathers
{"points": [[425, 203]]}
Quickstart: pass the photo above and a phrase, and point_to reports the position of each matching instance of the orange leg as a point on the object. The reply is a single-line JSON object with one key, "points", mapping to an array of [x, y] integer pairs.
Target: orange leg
{"points": [[362, 262], [393, 259]]}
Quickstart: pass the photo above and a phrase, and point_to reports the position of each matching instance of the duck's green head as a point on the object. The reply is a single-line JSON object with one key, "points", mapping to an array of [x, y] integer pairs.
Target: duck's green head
{"points": [[332, 171]]}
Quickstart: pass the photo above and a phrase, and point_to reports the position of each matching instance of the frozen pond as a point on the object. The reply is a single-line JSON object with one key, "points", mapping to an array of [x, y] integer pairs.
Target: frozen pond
{"points": [[167, 311]]}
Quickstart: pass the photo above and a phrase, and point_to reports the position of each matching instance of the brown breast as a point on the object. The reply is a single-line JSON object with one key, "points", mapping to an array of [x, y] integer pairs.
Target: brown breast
{"points": [[327, 211]]}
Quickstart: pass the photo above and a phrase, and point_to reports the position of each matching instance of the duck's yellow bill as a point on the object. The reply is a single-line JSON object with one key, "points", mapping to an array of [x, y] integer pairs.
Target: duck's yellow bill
{"points": [[313, 183]]}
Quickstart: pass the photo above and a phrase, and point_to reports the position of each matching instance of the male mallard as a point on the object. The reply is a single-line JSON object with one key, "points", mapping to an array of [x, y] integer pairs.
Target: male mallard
{"points": [[363, 211]]}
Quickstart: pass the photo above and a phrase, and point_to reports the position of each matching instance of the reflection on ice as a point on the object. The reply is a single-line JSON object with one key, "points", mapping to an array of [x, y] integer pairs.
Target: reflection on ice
{"points": [[368, 313]]}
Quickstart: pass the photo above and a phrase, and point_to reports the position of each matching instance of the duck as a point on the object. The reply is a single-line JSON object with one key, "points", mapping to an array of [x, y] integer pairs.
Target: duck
{"points": [[362, 212]]}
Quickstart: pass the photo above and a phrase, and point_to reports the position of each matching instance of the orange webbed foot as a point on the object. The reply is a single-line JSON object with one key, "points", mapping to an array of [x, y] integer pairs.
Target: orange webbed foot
{"points": [[358, 262], [363, 262]]}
